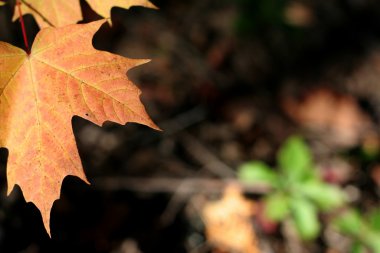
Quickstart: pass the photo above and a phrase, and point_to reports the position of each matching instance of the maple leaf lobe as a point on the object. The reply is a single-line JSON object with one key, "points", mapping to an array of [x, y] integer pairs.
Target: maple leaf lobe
{"points": [[51, 12], [103, 8], [59, 13]]}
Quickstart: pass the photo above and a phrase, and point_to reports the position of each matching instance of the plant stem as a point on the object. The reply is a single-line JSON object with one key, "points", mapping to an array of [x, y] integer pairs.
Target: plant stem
{"points": [[18, 3]]}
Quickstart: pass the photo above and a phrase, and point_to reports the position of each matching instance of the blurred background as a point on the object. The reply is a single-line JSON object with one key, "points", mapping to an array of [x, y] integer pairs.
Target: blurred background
{"points": [[229, 82]]}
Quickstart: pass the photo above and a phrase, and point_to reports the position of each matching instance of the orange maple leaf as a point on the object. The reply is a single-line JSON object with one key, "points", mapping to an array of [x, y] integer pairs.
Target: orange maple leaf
{"points": [[103, 8], [51, 12], [66, 12], [39, 94]]}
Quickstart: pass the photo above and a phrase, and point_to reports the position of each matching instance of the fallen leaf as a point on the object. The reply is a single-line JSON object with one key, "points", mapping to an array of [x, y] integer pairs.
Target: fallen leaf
{"points": [[340, 116], [59, 13], [298, 14], [228, 222], [41, 92]]}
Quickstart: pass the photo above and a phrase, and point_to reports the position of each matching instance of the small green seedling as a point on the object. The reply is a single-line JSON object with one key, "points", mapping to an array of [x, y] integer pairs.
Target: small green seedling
{"points": [[298, 193], [365, 231]]}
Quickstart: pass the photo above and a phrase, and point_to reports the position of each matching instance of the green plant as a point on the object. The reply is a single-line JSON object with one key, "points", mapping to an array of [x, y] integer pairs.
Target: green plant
{"points": [[297, 191], [364, 230]]}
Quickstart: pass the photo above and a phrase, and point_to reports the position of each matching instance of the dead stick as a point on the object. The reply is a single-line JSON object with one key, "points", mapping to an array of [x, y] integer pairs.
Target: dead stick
{"points": [[171, 185]]}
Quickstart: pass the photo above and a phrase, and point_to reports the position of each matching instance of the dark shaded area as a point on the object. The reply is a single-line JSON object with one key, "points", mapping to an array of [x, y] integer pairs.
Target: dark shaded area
{"points": [[222, 76]]}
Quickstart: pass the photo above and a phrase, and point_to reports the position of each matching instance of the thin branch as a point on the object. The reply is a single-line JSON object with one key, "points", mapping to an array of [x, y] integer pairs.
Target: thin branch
{"points": [[170, 185], [203, 155]]}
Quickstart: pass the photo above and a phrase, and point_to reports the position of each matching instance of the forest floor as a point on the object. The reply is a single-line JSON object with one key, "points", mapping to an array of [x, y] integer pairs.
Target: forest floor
{"points": [[229, 81]]}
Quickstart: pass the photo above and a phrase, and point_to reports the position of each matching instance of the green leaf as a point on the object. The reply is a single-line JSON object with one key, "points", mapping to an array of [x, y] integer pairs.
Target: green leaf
{"points": [[324, 195], [305, 218], [374, 220], [352, 224], [349, 222], [295, 158], [372, 240], [277, 206], [357, 248], [257, 172]]}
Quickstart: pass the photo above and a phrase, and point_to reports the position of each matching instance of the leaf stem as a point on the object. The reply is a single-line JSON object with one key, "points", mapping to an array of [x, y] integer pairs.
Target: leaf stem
{"points": [[18, 3]]}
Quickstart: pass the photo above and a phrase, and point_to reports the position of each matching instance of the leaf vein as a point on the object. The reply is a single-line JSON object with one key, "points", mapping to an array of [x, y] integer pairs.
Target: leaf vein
{"points": [[66, 153], [85, 101]]}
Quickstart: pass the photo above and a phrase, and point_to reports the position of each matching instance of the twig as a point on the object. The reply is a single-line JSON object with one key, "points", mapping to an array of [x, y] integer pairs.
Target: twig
{"points": [[178, 198], [206, 157], [171, 185], [183, 121]]}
